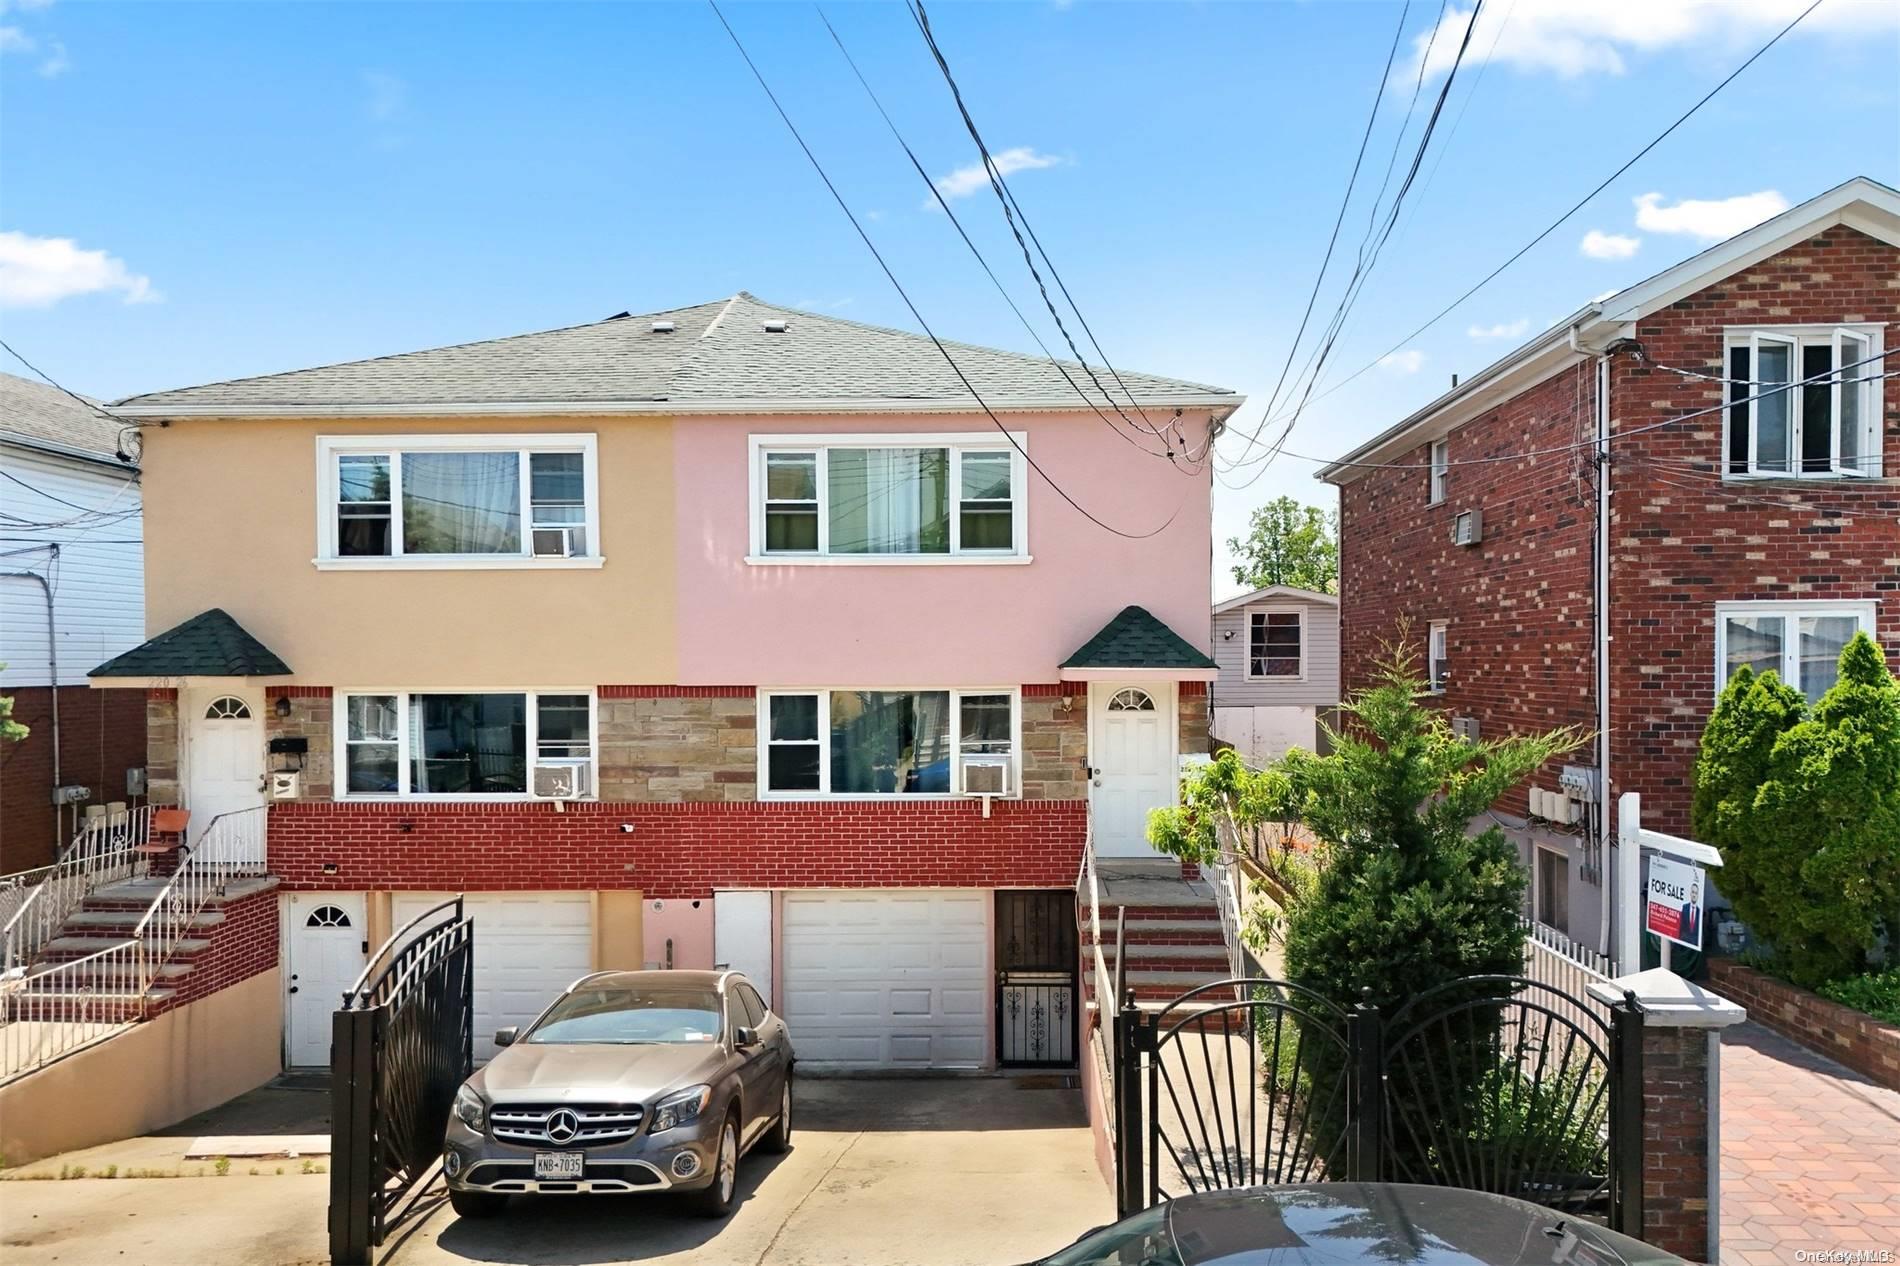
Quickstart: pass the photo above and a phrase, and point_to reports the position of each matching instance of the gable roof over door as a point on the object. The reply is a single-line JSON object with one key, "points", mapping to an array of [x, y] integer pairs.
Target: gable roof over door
{"points": [[736, 355]]}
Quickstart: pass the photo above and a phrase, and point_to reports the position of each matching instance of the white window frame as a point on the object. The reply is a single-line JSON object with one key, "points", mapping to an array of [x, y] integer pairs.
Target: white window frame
{"points": [[1440, 474], [1247, 650], [1437, 651], [1798, 338], [340, 742], [332, 447], [956, 442], [1862, 611], [824, 693]]}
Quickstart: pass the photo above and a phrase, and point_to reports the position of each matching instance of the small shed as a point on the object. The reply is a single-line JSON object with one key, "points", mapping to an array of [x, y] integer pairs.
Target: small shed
{"points": [[1277, 649]]}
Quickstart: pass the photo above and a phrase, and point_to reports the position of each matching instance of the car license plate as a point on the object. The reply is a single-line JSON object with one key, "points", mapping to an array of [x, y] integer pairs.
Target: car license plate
{"points": [[558, 1165]]}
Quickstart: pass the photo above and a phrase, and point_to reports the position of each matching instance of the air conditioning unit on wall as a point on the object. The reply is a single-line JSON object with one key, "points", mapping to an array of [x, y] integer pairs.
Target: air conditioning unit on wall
{"points": [[1467, 528], [563, 780], [986, 775]]}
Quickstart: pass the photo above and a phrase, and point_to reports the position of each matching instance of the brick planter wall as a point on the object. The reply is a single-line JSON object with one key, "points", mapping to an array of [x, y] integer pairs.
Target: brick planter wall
{"points": [[1864, 1044], [677, 851], [1676, 1141]]}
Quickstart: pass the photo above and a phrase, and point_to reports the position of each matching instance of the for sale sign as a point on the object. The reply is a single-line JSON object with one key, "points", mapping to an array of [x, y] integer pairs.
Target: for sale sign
{"points": [[1674, 902]]}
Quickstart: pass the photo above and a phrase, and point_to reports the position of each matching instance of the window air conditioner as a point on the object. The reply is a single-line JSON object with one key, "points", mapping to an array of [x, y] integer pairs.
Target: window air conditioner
{"points": [[1465, 728], [553, 542], [1467, 528], [563, 780], [986, 775]]}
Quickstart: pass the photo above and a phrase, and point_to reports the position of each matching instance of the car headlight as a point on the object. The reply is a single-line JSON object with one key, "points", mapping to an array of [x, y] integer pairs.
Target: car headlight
{"points": [[677, 1110], [470, 1110]]}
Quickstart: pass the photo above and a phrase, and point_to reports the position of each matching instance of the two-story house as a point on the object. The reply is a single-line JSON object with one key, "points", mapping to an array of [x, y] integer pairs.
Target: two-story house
{"points": [[725, 634], [1696, 472], [1278, 652]]}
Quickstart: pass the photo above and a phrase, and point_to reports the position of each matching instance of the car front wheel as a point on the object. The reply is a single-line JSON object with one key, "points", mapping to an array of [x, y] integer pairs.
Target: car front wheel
{"points": [[715, 1201]]}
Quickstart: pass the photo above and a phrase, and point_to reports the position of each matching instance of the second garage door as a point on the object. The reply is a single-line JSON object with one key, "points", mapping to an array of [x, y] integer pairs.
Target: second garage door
{"points": [[887, 979], [529, 946]]}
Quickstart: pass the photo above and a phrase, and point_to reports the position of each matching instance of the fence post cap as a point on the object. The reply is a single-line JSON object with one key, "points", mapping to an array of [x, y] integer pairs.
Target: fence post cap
{"points": [[1669, 1001]]}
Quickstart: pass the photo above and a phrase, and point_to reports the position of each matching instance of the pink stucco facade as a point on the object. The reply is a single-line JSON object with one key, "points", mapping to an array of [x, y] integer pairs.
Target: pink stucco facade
{"points": [[936, 623]]}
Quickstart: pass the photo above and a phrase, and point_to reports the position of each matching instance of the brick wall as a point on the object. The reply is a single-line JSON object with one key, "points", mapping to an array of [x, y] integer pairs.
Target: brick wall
{"points": [[1852, 1037], [161, 746], [666, 747], [101, 735], [1195, 719], [677, 851], [1676, 1141], [240, 947]]}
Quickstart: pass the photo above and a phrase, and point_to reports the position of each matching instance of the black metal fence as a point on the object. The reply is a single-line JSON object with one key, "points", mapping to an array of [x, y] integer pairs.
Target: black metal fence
{"points": [[1489, 1082], [400, 1045]]}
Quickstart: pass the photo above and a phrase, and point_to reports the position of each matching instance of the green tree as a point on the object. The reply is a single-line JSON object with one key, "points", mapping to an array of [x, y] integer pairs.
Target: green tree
{"points": [[1288, 543], [1805, 806], [11, 731]]}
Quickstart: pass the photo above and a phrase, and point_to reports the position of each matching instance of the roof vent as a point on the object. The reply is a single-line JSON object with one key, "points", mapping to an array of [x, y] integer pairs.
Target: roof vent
{"points": [[776, 325], [662, 327]]}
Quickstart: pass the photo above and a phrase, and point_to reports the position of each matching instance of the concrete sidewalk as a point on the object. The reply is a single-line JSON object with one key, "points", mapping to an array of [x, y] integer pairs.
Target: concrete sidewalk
{"points": [[954, 1172]]}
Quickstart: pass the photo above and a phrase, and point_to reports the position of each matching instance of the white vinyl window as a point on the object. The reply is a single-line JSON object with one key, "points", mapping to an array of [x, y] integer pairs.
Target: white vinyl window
{"points": [[457, 501], [878, 743], [1438, 655], [1440, 472], [887, 499], [1801, 642], [1804, 402], [463, 744], [1276, 644]]}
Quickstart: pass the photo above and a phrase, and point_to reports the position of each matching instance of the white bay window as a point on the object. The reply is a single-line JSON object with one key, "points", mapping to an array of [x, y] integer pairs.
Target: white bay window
{"points": [[460, 744], [1799, 641], [876, 743], [1804, 402]]}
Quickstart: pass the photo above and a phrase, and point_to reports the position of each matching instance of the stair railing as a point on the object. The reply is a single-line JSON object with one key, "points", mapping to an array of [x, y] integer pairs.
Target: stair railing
{"points": [[36, 903], [232, 847], [58, 1009], [1088, 884]]}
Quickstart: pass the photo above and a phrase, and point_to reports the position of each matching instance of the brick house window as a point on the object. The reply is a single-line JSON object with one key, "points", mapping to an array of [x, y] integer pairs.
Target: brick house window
{"points": [[1437, 655], [464, 745], [1276, 645], [1825, 424], [882, 743], [1440, 472], [1799, 641]]}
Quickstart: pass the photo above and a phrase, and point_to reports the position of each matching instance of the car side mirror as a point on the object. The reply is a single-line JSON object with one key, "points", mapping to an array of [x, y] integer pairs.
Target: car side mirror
{"points": [[743, 1037], [507, 1036]]}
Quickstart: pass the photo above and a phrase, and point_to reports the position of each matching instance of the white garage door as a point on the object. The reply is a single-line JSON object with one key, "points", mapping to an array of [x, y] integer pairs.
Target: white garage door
{"points": [[887, 979], [529, 946]]}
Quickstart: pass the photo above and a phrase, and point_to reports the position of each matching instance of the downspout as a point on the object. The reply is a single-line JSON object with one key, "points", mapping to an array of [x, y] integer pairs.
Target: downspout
{"points": [[52, 655], [1603, 639]]}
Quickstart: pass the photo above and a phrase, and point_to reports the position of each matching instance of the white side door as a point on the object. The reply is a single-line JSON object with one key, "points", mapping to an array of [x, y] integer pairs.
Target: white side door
{"points": [[327, 935], [224, 754], [1131, 746], [742, 936]]}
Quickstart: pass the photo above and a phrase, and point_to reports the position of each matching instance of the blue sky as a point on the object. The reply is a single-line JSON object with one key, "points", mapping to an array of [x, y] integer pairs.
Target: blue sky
{"points": [[194, 192]]}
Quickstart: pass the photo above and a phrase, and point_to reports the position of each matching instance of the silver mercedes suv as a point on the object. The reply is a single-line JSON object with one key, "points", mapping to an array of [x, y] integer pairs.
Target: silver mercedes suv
{"points": [[631, 1081]]}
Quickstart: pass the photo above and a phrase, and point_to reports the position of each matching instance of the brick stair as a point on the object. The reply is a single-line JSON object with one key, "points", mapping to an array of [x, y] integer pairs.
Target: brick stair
{"points": [[1172, 946]]}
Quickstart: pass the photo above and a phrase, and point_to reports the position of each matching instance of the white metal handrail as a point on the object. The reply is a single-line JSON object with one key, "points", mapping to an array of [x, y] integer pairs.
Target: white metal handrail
{"points": [[1088, 881], [232, 847], [37, 903], [62, 1007]]}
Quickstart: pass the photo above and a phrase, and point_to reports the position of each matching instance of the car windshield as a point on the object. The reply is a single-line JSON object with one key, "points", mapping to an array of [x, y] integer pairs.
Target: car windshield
{"points": [[629, 1016], [1141, 1239]]}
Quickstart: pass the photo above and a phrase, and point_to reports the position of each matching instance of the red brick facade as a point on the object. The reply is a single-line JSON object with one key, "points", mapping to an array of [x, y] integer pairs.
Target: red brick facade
{"points": [[101, 735], [1520, 606], [680, 850], [1854, 1038], [238, 949]]}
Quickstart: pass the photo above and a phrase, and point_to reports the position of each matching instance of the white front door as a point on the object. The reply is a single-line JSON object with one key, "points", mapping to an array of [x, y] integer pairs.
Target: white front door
{"points": [[327, 945], [1131, 746], [224, 753]]}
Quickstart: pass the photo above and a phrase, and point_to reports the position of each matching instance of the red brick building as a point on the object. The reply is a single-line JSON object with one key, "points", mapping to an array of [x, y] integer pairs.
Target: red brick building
{"points": [[1750, 514]]}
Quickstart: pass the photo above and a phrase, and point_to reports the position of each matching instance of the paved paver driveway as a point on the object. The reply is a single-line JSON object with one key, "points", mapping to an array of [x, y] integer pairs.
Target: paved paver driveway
{"points": [[1810, 1154]]}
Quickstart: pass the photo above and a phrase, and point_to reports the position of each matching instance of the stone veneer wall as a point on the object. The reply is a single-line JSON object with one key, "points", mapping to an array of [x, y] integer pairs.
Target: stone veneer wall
{"points": [[161, 746], [665, 748], [311, 717], [1196, 734], [1055, 744]]}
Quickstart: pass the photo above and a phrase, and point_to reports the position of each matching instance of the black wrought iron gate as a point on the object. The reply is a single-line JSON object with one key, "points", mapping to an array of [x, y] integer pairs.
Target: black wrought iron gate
{"points": [[1496, 1083], [1036, 962], [400, 1046]]}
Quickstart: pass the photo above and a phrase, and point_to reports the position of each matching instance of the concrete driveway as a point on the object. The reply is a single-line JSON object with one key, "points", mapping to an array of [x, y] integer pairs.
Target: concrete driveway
{"points": [[965, 1172]]}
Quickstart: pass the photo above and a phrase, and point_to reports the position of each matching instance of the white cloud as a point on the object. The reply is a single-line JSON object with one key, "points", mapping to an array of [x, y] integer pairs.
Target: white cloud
{"points": [[965, 181], [37, 272], [1573, 38], [1710, 220], [1503, 329], [15, 40], [1409, 361], [56, 62], [385, 95], [1600, 245], [24, 6]]}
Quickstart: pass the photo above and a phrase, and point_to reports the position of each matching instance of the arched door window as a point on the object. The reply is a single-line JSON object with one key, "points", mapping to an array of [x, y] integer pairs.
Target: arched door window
{"points": [[328, 917], [228, 708], [1131, 700]]}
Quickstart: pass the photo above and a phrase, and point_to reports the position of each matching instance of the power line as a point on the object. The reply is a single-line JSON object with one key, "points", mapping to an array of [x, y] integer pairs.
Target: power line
{"points": [[1578, 206], [124, 424], [905, 295]]}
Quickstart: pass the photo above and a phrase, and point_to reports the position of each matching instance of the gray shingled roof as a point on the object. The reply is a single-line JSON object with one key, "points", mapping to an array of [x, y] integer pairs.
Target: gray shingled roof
{"points": [[36, 412], [1136, 639], [210, 644], [719, 354]]}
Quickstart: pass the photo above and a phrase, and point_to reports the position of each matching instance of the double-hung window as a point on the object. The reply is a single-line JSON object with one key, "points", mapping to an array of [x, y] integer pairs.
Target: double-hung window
{"points": [[1276, 645], [464, 743], [883, 742], [1437, 656], [887, 498], [1804, 402], [457, 501], [1799, 641], [1440, 472]]}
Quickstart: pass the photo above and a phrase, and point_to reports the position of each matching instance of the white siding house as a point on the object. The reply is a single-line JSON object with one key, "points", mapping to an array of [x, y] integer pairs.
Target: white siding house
{"points": [[1278, 653]]}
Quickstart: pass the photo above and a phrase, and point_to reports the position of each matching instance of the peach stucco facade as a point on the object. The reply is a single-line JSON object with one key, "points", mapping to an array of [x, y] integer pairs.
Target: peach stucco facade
{"points": [[937, 623]]}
